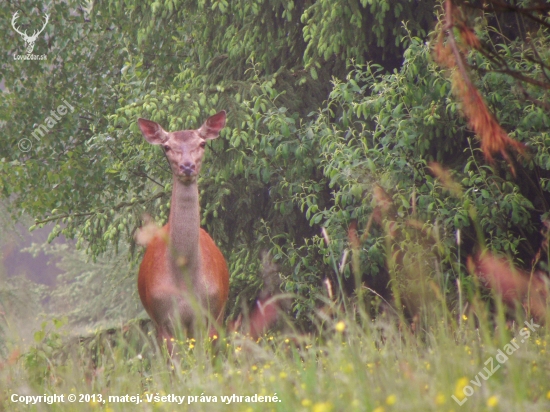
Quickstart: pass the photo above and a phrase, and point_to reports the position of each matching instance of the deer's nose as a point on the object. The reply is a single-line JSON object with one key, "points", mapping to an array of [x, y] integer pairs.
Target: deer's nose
{"points": [[187, 168]]}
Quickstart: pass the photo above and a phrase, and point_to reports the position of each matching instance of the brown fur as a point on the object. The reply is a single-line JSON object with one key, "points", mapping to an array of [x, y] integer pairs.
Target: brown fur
{"points": [[154, 267], [183, 274]]}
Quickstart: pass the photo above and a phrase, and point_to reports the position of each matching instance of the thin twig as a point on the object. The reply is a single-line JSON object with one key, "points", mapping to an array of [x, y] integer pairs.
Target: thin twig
{"points": [[117, 207]]}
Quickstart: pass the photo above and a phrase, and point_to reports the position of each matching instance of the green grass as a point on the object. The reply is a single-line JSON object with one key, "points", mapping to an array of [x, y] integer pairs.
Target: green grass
{"points": [[350, 364]]}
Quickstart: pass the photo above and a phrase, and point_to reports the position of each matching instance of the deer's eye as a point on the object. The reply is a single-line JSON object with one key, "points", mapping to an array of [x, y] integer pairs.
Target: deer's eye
{"points": [[203, 144], [166, 148]]}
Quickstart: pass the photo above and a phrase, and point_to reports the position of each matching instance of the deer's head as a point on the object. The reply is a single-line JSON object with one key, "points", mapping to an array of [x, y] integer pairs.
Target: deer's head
{"points": [[184, 149]]}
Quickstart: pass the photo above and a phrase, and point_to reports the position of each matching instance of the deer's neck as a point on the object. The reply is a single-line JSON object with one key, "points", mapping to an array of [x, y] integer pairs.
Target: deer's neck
{"points": [[184, 231]]}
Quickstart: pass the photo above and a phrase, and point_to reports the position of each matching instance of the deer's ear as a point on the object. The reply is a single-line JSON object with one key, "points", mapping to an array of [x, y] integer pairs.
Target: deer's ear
{"points": [[212, 126], [152, 131]]}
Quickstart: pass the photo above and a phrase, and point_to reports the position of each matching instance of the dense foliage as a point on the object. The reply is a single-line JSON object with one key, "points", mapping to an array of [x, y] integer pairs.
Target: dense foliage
{"points": [[330, 104]]}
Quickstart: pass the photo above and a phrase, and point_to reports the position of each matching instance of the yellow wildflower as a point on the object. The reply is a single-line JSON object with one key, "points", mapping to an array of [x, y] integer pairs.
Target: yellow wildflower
{"points": [[340, 326], [460, 385], [322, 407], [492, 401]]}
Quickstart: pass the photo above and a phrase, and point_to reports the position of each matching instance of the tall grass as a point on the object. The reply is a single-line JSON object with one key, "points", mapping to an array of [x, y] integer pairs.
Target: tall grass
{"points": [[351, 363]]}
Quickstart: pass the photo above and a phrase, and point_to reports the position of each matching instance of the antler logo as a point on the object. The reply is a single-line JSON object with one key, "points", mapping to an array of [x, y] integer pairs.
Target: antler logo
{"points": [[29, 40]]}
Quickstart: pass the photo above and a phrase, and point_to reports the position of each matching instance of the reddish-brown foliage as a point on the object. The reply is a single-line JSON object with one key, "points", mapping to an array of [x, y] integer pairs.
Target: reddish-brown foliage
{"points": [[512, 284], [493, 137]]}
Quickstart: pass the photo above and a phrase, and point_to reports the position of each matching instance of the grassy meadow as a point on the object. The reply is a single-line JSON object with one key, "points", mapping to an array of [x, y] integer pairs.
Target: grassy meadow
{"points": [[351, 363]]}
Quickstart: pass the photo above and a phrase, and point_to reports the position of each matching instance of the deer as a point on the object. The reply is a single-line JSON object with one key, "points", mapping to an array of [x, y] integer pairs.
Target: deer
{"points": [[29, 40], [183, 274]]}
